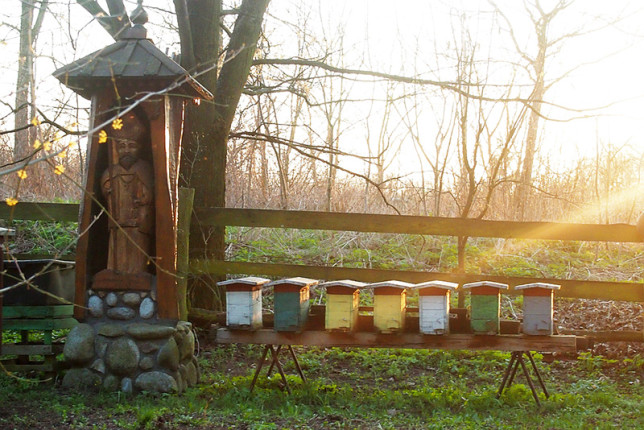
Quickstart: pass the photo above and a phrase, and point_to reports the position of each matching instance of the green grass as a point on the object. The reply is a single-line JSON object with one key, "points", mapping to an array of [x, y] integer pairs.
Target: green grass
{"points": [[556, 259], [353, 388]]}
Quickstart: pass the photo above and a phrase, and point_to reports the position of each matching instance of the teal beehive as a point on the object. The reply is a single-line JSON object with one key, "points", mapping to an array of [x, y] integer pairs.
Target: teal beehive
{"points": [[291, 303], [485, 309]]}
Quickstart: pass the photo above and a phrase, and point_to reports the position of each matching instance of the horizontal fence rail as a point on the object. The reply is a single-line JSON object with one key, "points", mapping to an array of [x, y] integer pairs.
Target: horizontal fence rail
{"points": [[628, 291], [625, 291], [62, 212], [406, 224]]}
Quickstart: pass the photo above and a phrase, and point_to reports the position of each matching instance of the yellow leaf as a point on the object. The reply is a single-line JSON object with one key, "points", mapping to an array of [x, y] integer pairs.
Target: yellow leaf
{"points": [[102, 136], [117, 124], [37, 144], [46, 145], [11, 201], [62, 154], [35, 121], [59, 169], [22, 174]]}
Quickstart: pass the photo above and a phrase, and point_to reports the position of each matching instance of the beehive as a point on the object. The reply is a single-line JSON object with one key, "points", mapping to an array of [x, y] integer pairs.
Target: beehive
{"points": [[433, 306], [342, 304], [389, 305], [291, 303], [485, 306], [538, 300], [244, 302]]}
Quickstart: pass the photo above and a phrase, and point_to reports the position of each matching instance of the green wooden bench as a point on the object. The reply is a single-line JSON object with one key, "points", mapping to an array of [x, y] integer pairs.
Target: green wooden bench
{"points": [[30, 355]]}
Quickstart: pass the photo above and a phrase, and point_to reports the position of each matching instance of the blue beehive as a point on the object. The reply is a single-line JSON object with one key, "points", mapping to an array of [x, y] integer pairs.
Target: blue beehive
{"points": [[291, 301]]}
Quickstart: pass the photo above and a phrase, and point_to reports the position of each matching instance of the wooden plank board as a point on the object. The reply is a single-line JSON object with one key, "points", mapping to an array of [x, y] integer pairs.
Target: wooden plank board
{"points": [[400, 340], [11, 366], [39, 324], [57, 311], [416, 225], [11, 349], [626, 291], [41, 211]]}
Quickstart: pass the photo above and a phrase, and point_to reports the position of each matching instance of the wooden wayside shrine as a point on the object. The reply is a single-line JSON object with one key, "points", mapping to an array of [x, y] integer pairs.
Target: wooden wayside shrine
{"points": [[128, 213]]}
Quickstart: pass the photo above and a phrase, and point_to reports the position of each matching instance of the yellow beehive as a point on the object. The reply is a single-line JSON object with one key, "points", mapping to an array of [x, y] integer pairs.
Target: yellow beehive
{"points": [[389, 306], [342, 305]]}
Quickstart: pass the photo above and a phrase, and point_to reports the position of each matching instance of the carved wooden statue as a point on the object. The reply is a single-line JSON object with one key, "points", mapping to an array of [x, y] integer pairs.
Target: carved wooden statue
{"points": [[128, 188]]}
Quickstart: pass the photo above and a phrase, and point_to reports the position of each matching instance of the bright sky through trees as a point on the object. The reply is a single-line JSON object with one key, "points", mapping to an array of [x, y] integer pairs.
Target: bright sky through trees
{"points": [[412, 38]]}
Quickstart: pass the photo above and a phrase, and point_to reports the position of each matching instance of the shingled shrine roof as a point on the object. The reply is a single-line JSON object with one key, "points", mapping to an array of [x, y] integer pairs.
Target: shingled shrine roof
{"points": [[134, 58]]}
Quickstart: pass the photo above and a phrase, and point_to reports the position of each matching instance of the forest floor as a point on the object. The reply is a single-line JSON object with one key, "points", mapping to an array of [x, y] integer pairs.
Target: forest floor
{"points": [[353, 388], [387, 388]]}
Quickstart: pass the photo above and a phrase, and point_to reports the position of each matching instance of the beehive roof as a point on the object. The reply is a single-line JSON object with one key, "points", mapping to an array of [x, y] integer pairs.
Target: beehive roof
{"points": [[436, 284], [303, 282], [538, 285], [486, 284], [344, 283], [392, 283], [250, 280]]}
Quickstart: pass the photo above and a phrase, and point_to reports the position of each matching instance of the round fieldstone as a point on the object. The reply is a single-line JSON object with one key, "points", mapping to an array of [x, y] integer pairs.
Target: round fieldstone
{"points": [[198, 369], [187, 345], [111, 330], [95, 305], [99, 366], [111, 383], [149, 331], [126, 385], [148, 347], [191, 374], [122, 356], [181, 382], [79, 347], [101, 345], [121, 313], [111, 299], [146, 310], [156, 382], [146, 363], [81, 379], [131, 299], [169, 355]]}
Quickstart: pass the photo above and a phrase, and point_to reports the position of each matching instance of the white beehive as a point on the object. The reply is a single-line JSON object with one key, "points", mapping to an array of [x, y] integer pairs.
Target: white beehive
{"points": [[244, 302], [538, 300], [433, 306]]}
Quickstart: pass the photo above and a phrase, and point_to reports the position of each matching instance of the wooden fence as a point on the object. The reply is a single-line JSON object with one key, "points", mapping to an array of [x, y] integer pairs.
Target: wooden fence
{"points": [[623, 291]]}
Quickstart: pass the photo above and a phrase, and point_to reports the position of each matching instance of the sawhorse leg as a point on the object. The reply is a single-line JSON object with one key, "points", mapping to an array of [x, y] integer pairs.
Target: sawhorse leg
{"points": [[276, 363], [516, 359]]}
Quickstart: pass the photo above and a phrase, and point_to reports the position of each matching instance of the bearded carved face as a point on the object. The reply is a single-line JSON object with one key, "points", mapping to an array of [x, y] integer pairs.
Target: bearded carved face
{"points": [[128, 151], [127, 140]]}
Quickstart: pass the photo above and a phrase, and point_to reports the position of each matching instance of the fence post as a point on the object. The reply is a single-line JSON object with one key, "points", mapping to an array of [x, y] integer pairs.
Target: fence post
{"points": [[186, 199]]}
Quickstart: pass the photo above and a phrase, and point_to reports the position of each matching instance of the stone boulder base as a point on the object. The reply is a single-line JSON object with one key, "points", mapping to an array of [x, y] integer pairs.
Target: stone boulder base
{"points": [[79, 348]]}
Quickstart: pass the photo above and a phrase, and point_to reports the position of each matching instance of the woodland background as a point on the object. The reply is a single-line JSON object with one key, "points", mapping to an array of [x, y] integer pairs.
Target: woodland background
{"points": [[458, 109]]}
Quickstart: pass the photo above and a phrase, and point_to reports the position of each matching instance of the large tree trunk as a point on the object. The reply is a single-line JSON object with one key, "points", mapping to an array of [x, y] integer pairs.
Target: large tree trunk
{"points": [[23, 83], [25, 92], [204, 166], [538, 93]]}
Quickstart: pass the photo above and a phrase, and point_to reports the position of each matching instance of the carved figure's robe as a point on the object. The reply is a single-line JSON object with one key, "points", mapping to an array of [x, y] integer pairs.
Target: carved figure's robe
{"points": [[130, 199]]}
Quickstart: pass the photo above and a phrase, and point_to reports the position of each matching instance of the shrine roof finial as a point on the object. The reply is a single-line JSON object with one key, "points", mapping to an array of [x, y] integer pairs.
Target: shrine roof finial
{"points": [[139, 15]]}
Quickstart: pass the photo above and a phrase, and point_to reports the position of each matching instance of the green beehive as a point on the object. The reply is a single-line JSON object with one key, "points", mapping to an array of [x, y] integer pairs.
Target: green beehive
{"points": [[485, 309], [291, 303]]}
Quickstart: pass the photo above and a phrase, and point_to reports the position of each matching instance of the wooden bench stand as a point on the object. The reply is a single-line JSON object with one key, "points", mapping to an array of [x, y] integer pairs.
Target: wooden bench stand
{"points": [[275, 363], [34, 318], [518, 345]]}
